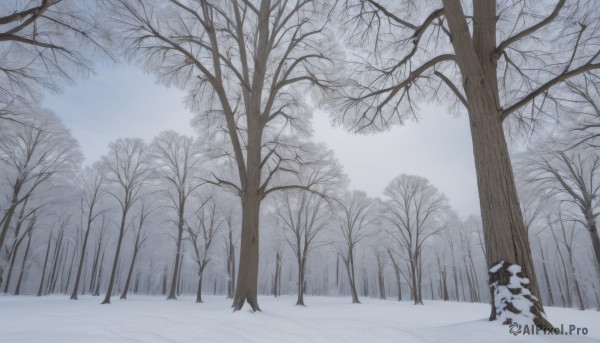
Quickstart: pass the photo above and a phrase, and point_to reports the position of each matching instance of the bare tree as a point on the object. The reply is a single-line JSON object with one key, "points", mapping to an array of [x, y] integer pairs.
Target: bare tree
{"points": [[44, 43], [568, 242], [246, 67], [91, 182], [574, 176], [413, 208], [179, 158], [304, 217], [353, 219], [31, 155], [127, 167], [497, 60], [202, 234], [140, 239]]}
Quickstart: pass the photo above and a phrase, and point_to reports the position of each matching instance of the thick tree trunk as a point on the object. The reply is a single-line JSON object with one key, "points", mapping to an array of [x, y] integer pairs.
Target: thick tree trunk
{"points": [[505, 235], [40, 289], [246, 289]]}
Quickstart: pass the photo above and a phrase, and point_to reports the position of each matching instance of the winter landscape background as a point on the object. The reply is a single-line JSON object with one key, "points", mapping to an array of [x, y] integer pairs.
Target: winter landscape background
{"points": [[253, 155]]}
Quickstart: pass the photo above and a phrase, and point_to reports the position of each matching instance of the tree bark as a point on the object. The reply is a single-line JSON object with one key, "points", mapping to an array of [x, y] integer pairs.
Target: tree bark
{"points": [[505, 235], [246, 289]]}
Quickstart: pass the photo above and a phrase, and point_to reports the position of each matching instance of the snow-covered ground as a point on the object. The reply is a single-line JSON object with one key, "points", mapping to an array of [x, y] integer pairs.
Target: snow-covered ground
{"points": [[326, 319]]}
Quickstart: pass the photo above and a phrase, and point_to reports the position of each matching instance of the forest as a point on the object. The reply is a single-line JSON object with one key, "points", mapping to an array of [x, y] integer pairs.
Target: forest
{"points": [[252, 205]]}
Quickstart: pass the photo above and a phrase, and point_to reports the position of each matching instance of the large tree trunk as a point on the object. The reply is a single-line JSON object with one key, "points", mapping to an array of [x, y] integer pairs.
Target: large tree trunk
{"points": [[246, 289], [505, 235]]}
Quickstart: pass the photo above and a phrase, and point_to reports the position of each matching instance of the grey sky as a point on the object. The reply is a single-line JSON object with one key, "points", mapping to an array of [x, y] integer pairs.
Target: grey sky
{"points": [[124, 102]]}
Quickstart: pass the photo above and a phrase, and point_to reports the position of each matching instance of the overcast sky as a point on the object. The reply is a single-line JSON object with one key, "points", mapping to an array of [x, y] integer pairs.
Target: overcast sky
{"points": [[122, 101]]}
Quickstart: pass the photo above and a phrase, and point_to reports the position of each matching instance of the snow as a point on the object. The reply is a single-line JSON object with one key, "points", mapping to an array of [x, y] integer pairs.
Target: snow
{"points": [[496, 267], [151, 319]]}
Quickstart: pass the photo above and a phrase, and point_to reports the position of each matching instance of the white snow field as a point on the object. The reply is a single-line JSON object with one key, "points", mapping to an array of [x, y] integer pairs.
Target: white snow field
{"points": [[150, 319]]}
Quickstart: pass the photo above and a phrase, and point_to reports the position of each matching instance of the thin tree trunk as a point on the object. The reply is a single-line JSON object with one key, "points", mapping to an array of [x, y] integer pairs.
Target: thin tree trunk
{"points": [[276, 277], [199, 290], [57, 267], [7, 218], [82, 257], [545, 270], [95, 267], [593, 230], [135, 252], [231, 268], [381, 279], [66, 286], [301, 285], [172, 292], [565, 273], [99, 276], [116, 259], [39, 294], [18, 288]]}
